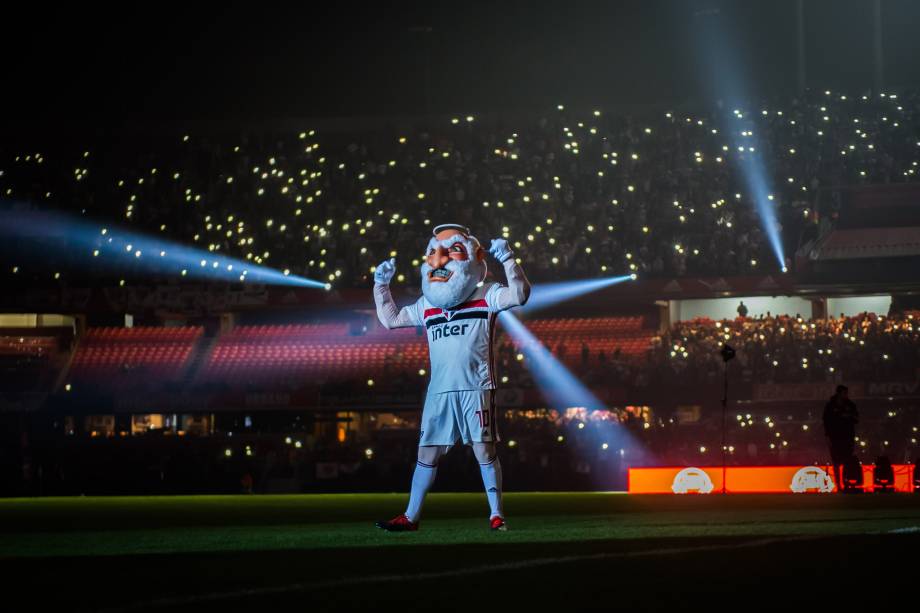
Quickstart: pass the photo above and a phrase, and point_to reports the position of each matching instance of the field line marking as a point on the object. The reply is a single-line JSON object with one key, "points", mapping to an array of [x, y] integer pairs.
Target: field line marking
{"points": [[472, 570]]}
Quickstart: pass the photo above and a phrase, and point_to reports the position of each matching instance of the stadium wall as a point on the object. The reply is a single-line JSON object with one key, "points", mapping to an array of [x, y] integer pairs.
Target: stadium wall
{"points": [[851, 306], [727, 308]]}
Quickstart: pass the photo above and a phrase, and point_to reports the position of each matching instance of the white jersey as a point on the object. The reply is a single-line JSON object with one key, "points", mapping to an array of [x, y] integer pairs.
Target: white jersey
{"points": [[460, 340]]}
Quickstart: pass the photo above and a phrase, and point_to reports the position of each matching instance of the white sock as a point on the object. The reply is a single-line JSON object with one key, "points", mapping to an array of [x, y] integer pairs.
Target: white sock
{"points": [[492, 480], [422, 481]]}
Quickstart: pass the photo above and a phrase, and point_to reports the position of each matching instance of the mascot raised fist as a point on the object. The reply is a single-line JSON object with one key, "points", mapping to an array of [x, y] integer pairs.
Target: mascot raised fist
{"points": [[385, 271]]}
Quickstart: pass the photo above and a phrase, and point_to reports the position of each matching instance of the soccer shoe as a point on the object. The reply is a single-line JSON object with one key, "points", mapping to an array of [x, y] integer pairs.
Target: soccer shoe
{"points": [[400, 523], [498, 523]]}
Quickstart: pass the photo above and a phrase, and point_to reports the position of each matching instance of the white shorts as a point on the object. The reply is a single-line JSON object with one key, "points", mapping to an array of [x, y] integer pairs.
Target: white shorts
{"points": [[467, 416]]}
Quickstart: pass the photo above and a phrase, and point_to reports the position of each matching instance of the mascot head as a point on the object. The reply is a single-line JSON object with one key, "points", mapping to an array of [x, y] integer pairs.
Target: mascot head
{"points": [[454, 264]]}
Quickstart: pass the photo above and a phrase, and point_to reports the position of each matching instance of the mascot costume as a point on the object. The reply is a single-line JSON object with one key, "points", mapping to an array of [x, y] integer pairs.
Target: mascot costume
{"points": [[458, 310]]}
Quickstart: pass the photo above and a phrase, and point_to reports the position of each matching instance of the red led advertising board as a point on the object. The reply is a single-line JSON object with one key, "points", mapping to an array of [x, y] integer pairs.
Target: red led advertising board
{"points": [[752, 479]]}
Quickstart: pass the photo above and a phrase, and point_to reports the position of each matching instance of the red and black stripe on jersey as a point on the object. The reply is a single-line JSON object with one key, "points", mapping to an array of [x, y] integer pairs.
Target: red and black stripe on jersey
{"points": [[461, 352], [474, 309]]}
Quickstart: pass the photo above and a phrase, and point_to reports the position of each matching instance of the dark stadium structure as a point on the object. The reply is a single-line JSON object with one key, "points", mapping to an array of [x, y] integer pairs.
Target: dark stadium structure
{"points": [[121, 378], [202, 408]]}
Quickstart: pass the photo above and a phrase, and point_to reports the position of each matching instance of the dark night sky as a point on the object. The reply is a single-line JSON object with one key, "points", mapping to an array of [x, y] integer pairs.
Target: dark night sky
{"points": [[241, 60]]}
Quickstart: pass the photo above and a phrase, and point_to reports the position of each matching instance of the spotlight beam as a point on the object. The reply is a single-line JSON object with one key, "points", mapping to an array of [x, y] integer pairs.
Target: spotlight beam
{"points": [[544, 295], [754, 175], [722, 74], [103, 246], [559, 386], [557, 383]]}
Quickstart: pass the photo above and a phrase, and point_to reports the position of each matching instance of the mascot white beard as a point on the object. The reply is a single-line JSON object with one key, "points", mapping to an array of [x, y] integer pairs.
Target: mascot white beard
{"points": [[465, 274]]}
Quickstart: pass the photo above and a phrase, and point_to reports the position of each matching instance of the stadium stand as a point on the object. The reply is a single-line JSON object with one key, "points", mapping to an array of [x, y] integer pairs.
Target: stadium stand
{"points": [[133, 358]]}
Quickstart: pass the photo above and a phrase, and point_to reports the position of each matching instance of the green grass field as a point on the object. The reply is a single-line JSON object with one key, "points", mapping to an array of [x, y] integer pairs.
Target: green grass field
{"points": [[322, 552]]}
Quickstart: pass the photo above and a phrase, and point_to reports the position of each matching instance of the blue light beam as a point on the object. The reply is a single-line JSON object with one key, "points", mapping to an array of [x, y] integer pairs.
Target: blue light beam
{"points": [[754, 173], [104, 246], [723, 76], [563, 390], [544, 295], [559, 386]]}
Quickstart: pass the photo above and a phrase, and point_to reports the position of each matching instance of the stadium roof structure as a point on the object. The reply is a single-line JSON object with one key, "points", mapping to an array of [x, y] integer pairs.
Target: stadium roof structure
{"points": [[865, 243]]}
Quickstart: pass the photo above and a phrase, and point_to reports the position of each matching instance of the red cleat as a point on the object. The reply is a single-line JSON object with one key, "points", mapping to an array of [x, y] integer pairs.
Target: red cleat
{"points": [[498, 523], [400, 523]]}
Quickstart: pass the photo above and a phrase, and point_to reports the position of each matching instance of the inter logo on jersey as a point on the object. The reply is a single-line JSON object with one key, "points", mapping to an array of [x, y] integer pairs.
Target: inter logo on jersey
{"points": [[460, 343], [445, 330], [442, 324]]}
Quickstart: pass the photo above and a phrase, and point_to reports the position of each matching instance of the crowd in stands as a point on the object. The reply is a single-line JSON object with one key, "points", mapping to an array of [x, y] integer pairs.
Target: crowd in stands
{"points": [[792, 349], [579, 193], [769, 349]]}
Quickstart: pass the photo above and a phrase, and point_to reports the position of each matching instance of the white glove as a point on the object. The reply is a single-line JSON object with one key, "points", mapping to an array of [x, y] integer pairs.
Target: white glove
{"points": [[384, 272], [500, 250]]}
